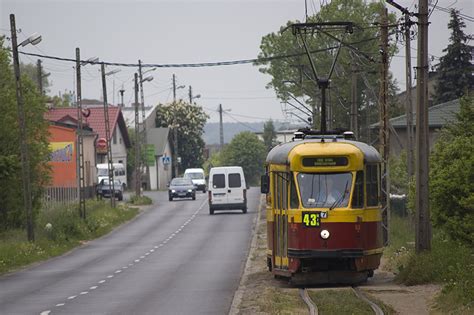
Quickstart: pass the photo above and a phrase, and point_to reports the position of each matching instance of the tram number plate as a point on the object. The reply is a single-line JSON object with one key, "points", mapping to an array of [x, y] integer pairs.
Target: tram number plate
{"points": [[311, 219]]}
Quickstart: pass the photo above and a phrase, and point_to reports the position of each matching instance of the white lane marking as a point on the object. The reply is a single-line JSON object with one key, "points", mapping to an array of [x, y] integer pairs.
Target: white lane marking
{"points": [[118, 271], [102, 281], [93, 287], [130, 265], [84, 292], [60, 304], [156, 246], [137, 260], [124, 267], [72, 297], [152, 250], [141, 257], [45, 312], [146, 254], [110, 276]]}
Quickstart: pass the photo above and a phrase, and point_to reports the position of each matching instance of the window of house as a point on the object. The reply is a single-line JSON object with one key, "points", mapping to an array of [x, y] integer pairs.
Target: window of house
{"points": [[115, 136]]}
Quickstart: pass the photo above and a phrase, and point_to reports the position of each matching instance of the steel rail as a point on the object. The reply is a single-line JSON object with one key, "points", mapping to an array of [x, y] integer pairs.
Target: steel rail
{"points": [[313, 309]]}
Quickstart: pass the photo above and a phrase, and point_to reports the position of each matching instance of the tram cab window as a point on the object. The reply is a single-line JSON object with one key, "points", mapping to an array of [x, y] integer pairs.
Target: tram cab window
{"points": [[329, 190], [372, 185], [294, 202], [358, 197]]}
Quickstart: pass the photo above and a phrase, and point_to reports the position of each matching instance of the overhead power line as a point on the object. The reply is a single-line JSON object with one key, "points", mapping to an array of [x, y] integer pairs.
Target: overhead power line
{"points": [[195, 65]]}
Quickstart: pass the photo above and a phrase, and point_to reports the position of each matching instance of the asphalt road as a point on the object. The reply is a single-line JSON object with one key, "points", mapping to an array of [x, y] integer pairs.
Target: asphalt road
{"points": [[174, 258]]}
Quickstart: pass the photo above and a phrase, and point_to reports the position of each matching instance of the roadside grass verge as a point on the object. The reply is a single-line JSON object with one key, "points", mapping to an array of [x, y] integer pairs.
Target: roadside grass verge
{"points": [[282, 301], [449, 263], [329, 302], [57, 231], [140, 200]]}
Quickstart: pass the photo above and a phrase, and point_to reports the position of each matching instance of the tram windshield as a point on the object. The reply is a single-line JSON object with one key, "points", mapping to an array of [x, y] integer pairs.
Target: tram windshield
{"points": [[324, 190]]}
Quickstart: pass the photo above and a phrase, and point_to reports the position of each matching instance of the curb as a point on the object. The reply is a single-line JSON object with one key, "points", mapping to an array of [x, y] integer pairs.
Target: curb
{"points": [[237, 300]]}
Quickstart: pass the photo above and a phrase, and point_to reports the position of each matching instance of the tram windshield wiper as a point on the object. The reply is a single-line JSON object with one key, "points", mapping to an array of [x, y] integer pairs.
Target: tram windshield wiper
{"points": [[340, 199]]}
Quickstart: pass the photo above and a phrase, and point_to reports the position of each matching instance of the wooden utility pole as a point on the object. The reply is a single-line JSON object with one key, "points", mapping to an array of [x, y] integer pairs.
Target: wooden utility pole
{"points": [[408, 105], [40, 77], [25, 160], [423, 226], [80, 139], [384, 132], [138, 173], [354, 111]]}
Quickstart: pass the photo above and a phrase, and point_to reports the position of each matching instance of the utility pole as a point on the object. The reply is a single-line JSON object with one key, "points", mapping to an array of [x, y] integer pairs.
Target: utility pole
{"points": [[142, 98], [384, 132], [40, 77], [174, 88], [80, 140], [221, 128], [110, 165], [137, 142], [408, 105], [121, 96], [422, 221], [25, 159], [354, 111], [190, 95]]}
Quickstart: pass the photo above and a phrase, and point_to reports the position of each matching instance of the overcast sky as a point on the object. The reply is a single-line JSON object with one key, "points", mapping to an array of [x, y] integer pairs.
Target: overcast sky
{"points": [[179, 32]]}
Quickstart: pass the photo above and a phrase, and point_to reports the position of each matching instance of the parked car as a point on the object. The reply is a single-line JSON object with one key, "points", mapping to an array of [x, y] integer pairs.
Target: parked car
{"points": [[198, 178], [103, 189], [120, 173], [181, 188], [227, 189]]}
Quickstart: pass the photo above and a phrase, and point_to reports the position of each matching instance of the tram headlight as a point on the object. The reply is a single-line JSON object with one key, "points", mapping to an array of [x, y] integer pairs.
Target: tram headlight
{"points": [[324, 234]]}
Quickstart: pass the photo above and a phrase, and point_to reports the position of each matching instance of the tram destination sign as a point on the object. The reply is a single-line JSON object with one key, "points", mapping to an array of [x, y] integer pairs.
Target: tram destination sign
{"points": [[325, 161]]}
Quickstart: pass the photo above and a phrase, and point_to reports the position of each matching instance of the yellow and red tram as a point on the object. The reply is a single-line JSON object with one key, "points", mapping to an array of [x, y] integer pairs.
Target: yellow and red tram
{"points": [[324, 222]]}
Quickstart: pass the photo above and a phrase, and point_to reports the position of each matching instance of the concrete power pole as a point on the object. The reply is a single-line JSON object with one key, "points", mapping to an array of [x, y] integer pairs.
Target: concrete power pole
{"points": [[80, 139], [221, 128], [174, 88], [190, 95], [422, 220], [384, 138], [142, 98], [137, 142], [110, 165]]}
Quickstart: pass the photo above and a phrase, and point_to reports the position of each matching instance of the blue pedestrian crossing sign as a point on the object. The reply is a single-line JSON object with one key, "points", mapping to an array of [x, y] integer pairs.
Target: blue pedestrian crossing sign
{"points": [[166, 160]]}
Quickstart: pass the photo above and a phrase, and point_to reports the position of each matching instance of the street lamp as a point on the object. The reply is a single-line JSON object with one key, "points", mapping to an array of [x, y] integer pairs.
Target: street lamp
{"points": [[25, 160]]}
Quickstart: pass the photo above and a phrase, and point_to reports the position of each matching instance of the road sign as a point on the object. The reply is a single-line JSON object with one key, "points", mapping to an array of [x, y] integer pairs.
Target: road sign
{"points": [[166, 160], [150, 154]]}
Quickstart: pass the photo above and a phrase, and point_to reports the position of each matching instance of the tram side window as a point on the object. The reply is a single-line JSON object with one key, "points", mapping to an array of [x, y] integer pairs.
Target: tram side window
{"points": [[284, 190], [372, 186], [294, 202], [358, 197]]}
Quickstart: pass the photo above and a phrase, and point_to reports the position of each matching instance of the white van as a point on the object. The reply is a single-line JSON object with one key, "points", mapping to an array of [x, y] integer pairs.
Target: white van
{"points": [[120, 173], [227, 189], [197, 177]]}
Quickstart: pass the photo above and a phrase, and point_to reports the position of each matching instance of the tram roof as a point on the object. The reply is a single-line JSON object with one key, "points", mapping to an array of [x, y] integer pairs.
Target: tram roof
{"points": [[279, 154]]}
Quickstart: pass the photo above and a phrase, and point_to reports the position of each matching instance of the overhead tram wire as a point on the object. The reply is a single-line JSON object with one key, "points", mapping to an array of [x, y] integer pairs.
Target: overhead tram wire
{"points": [[204, 64]]}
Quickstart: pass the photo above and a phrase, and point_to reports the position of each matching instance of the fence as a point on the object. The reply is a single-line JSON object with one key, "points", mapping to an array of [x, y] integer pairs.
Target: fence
{"points": [[54, 196]]}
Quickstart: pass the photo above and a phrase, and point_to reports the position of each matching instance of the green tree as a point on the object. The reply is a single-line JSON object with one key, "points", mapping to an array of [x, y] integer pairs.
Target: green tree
{"points": [[12, 214], [189, 121], [455, 68], [452, 177], [31, 71], [269, 134], [248, 151], [293, 75]]}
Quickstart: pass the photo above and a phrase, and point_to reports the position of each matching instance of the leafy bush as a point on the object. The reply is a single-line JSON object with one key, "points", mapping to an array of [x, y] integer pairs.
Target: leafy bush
{"points": [[452, 177]]}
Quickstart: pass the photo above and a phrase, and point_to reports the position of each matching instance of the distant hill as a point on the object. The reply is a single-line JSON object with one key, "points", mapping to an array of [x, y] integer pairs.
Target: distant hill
{"points": [[211, 130]]}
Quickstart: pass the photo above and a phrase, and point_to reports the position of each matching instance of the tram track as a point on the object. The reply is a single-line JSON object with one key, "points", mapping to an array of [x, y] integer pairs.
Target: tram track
{"points": [[313, 308]]}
